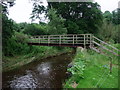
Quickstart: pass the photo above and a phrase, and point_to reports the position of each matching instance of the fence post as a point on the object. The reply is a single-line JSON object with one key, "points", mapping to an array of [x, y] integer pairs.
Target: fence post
{"points": [[110, 65], [84, 41]]}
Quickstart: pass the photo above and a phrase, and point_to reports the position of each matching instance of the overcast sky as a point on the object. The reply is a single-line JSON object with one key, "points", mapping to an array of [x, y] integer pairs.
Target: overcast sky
{"points": [[21, 11]]}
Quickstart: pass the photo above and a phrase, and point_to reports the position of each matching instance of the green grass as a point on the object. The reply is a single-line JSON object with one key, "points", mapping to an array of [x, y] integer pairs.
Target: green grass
{"points": [[95, 73]]}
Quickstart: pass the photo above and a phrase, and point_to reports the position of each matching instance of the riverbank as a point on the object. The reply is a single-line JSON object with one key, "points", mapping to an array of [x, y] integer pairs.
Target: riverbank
{"points": [[91, 70], [42, 73], [9, 63]]}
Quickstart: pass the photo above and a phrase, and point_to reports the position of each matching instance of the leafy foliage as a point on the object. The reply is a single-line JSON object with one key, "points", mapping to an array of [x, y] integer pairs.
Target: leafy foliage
{"points": [[95, 71], [116, 16], [56, 24], [110, 27], [86, 16], [38, 9], [35, 29], [7, 33], [107, 31], [117, 34], [108, 16], [5, 5]]}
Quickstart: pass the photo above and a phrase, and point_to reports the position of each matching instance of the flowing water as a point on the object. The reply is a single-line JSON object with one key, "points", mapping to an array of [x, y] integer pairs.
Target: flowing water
{"points": [[45, 73]]}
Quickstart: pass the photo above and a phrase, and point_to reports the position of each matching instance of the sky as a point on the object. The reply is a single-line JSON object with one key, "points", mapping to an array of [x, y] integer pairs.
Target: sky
{"points": [[21, 11]]}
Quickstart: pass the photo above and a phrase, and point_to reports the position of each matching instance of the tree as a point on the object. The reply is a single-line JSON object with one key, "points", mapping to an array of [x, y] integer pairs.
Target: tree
{"points": [[56, 24], [35, 29], [7, 32], [5, 5], [108, 16], [21, 26], [108, 31], [116, 16], [80, 17], [85, 16], [117, 34], [38, 9]]}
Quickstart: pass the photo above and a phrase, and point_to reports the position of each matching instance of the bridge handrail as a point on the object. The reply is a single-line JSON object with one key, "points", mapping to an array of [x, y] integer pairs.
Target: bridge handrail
{"points": [[61, 35], [106, 43], [111, 49], [74, 39], [103, 47]]}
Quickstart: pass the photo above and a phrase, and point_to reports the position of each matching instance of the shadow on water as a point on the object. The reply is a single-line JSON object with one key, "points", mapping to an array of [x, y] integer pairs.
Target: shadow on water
{"points": [[46, 73]]}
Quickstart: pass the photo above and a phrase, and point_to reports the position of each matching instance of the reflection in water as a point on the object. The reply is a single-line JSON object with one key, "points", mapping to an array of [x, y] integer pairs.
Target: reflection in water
{"points": [[47, 73], [44, 68]]}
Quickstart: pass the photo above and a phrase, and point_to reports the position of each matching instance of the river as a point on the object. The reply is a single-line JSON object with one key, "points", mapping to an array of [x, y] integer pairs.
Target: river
{"points": [[45, 73]]}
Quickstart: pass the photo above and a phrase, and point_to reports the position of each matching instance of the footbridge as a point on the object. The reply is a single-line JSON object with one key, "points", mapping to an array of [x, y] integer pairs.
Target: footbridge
{"points": [[75, 40]]}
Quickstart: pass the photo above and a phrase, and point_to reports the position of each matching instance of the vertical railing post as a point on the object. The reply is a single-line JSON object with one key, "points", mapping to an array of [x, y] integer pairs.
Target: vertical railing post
{"points": [[48, 40], [84, 42], [73, 39], [87, 39], [90, 40], [60, 39], [34, 39], [39, 39]]}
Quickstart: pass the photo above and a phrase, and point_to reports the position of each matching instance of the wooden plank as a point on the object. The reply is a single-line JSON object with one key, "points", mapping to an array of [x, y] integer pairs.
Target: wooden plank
{"points": [[48, 39], [90, 40], [105, 48], [105, 43], [73, 39], [60, 39]]}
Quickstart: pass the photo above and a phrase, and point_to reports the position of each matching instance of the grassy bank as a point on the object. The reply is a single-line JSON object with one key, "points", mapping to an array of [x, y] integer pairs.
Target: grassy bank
{"points": [[9, 63], [91, 70]]}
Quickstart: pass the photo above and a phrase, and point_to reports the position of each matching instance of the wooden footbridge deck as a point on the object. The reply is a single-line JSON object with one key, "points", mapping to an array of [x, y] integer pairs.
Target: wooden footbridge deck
{"points": [[74, 40]]}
